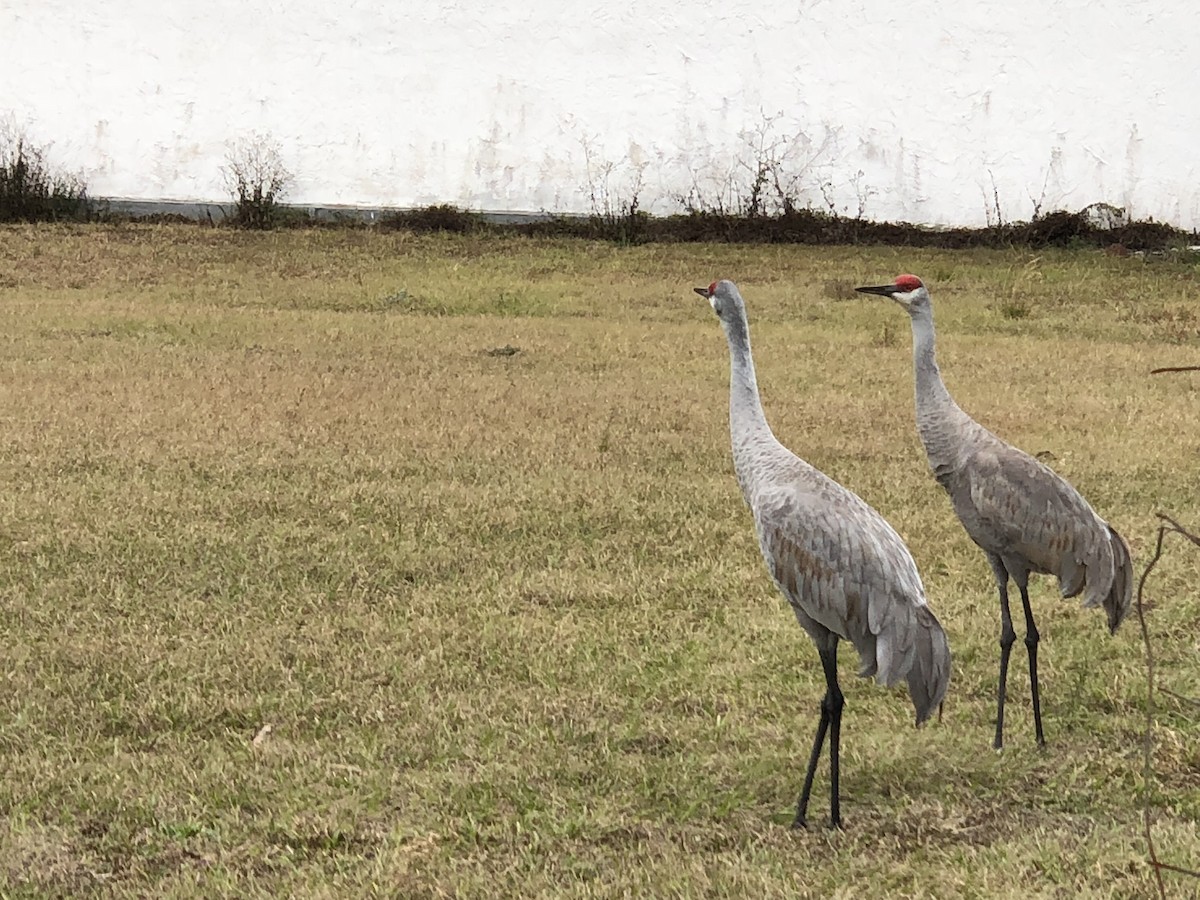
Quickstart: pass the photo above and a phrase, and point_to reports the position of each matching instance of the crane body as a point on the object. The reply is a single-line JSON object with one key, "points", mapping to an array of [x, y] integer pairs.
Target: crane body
{"points": [[1024, 516], [843, 569]]}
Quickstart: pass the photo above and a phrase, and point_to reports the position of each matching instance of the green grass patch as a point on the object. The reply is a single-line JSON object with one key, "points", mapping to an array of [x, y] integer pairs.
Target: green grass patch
{"points": [[454, 515]]}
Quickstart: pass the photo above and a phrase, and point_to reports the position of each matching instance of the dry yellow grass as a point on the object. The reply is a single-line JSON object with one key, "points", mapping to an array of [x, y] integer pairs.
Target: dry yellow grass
{"points": [[503, 612]]}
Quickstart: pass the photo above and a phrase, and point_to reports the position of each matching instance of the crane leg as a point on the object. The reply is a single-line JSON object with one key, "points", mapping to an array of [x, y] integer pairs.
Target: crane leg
{"points": [[1031, 644], [835, 737], [1007, 638], [802, 807], [831, 721]]}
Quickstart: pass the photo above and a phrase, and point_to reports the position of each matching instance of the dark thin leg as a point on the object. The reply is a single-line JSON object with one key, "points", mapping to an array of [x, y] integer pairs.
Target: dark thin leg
{"points": [[831, 720], [835, 739], [802, 807], [1007, 638], [1031, 644]]}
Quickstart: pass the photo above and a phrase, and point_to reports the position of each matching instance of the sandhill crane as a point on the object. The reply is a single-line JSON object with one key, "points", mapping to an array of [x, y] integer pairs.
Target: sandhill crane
{"points": [[843, 569], [1025, 517]]}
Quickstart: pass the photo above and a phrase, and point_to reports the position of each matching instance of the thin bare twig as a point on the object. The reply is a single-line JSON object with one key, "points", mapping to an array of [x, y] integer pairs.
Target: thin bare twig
{"points": [[1182, 699], [1171, 527], [1162, 369]]}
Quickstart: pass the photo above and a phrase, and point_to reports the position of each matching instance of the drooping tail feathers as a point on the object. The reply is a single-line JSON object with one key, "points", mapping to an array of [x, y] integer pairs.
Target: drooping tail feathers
{"points": [[1120, 596], [930, 674]]}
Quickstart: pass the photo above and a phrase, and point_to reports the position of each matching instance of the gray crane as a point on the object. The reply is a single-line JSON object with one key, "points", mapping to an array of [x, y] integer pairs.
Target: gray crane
{"points": [[844, 570], [1024, 516]]}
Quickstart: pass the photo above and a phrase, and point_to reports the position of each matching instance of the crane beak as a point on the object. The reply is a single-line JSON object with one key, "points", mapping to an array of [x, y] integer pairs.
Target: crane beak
{"points": [[703, 292], [884, 290]]}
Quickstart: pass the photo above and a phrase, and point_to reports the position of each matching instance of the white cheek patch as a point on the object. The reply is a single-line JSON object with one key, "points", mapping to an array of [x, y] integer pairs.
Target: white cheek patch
{"points": [[712, 301]]}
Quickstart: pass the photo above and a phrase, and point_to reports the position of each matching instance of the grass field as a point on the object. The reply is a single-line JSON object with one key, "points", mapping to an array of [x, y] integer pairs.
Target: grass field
{"points": [[339, 563]]}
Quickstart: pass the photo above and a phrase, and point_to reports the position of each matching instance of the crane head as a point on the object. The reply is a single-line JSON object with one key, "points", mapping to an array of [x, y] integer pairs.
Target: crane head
{"points": [[724, 298], [907, 290]]}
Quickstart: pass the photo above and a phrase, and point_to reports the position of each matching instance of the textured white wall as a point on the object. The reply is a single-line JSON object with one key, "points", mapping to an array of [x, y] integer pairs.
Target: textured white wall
{"points": [[925, 110]]}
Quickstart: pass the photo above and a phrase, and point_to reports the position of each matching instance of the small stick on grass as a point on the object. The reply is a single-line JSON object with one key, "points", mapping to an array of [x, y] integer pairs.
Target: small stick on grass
{"points": [[1171, 526]]}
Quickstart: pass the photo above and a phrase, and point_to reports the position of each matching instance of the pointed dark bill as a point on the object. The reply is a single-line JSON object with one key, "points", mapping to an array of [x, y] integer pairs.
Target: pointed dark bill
{"points": [[883, 290], [703, 292]]}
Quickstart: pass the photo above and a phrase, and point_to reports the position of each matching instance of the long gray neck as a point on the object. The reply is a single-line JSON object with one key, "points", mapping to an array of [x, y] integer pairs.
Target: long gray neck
{"points": [[940, 422], [748, 429]]}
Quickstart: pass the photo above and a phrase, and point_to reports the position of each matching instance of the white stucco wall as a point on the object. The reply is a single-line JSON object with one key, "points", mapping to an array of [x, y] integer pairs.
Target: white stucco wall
{"points": [[925, 110]]}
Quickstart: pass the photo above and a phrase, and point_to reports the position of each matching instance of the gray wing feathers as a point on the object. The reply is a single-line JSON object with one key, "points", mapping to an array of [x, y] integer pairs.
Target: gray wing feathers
{"points": [[842, 567], [930, 674], [1120, 598], [1020, 509]]}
